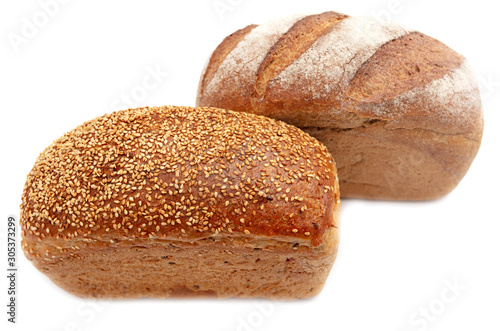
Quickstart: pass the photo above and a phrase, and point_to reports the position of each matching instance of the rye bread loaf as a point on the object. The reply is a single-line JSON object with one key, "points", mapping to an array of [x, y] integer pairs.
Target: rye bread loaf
{"points": [[179, 201], [399, 111]]}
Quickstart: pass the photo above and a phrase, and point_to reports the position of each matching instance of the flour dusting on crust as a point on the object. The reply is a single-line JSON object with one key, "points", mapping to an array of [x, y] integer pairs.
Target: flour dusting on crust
{"points": [[452, 100], [241, 65], [336, 57]]}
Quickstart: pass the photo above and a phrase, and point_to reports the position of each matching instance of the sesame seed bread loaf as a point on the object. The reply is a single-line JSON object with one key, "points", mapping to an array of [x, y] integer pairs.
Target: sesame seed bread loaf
{"points": [[399, 111], [180, 201]]}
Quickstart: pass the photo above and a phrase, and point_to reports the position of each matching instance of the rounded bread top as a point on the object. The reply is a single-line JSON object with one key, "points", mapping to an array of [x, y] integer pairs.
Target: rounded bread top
{"points": [[181, 173], [331, 70]]}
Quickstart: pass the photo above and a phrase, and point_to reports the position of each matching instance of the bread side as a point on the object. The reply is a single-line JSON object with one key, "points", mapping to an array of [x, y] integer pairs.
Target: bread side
{"points": [[220, 267], [377, 163]]}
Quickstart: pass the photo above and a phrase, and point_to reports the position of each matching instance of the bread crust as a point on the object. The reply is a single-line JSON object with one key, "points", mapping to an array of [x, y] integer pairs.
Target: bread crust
{"points": [[286, 50], [220, 53], [359, 72]]}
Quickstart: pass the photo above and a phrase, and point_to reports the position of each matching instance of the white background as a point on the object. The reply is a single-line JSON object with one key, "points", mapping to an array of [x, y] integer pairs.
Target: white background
{"points": [[396, 258]]}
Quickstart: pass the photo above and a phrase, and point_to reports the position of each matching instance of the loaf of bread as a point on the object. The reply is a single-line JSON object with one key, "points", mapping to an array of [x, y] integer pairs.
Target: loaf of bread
{"points": [[399, 111], [179, 201]]}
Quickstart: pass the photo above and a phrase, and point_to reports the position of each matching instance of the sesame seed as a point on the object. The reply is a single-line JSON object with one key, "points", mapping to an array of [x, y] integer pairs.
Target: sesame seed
{"points": [[168, 170]]}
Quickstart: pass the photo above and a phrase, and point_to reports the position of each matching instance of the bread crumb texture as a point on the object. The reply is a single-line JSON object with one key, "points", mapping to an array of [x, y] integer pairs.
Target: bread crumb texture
{"points": [[181, 173]]}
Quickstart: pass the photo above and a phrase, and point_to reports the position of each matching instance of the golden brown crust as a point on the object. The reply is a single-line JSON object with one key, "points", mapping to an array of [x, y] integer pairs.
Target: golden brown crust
{"points": [[220, 53], [293, 44], [181, 173], [417, 96], [408, 62]]}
